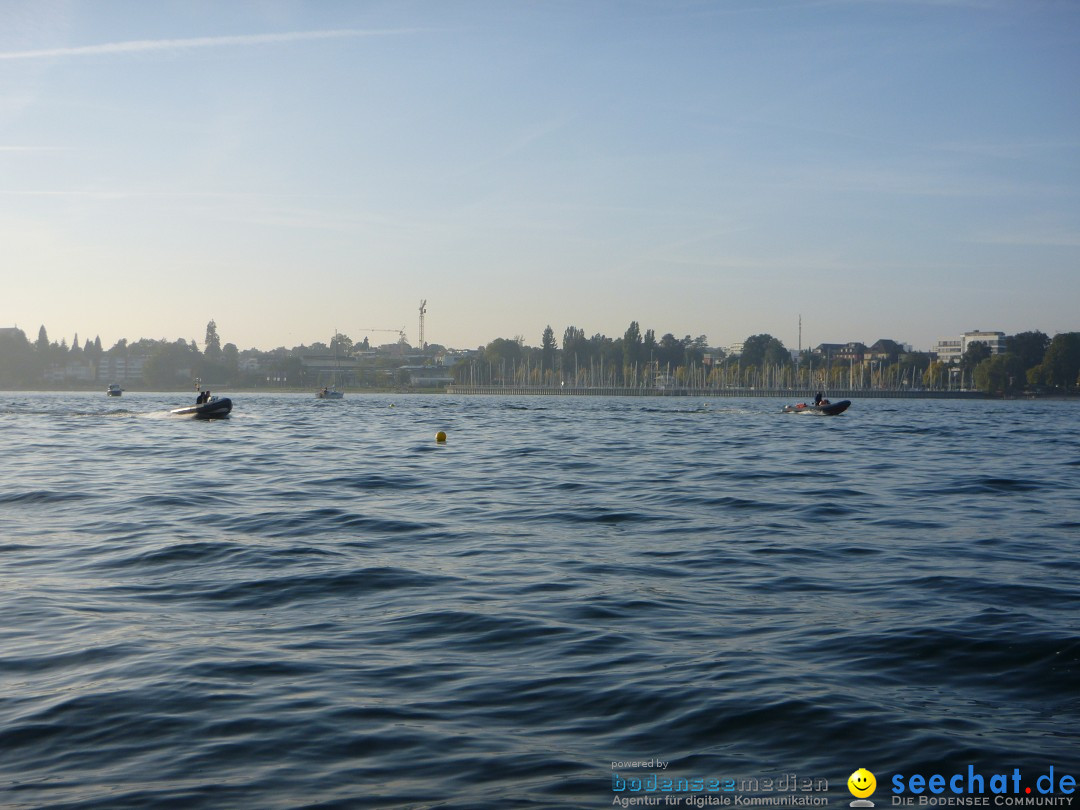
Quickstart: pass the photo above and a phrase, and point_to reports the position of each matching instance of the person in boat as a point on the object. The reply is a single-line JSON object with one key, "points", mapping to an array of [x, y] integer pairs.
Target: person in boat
{"points": [[820, 400], [203, 397]]}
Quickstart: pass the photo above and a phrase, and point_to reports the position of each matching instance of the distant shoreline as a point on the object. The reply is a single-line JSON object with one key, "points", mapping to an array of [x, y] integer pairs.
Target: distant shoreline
{"points": [[586, 391], [733, 393], [222, 389], [746, 393]]}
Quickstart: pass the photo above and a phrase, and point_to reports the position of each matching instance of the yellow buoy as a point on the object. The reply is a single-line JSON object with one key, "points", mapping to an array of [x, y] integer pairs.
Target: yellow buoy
{"points": [[440, 436]]}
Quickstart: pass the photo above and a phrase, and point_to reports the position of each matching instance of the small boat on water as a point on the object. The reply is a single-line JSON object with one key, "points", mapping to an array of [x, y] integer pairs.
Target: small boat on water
{"points": [[824, 408], [114, 390], [213, 408], [331, 392]]}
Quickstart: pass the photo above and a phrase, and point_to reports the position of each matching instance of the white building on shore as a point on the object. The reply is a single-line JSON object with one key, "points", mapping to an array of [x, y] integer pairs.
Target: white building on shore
{"points": [[952, 350]]}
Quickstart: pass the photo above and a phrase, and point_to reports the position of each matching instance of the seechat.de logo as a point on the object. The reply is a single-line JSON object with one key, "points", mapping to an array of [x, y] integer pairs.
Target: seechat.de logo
{"points": [[862, 785]]}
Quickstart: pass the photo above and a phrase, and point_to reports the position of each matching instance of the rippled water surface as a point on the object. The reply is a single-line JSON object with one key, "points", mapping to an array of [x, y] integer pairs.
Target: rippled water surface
{"points": [[314, 604]]}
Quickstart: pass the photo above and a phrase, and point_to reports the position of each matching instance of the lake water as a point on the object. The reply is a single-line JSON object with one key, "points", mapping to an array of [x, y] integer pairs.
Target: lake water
{"points": [[314, 604]]}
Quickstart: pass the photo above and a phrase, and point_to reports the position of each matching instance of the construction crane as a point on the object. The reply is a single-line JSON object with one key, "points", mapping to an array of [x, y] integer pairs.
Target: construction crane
{"points": [[423, 310], [399, 332]]}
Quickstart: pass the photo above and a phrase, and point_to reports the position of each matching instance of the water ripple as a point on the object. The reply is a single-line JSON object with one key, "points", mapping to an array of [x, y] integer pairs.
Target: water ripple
{"points": [[315, 606]]}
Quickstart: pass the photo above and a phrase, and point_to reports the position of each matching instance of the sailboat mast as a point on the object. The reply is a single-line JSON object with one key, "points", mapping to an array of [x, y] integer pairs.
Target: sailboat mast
{"points": [[798, 357]]}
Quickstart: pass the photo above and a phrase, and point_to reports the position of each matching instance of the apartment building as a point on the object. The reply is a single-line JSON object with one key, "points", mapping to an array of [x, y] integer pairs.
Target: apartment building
{"points": [[951, 350]]}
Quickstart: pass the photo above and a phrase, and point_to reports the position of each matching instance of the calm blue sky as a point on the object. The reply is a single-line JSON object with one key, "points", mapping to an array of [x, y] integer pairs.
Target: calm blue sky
{"points": [[885, 168]]}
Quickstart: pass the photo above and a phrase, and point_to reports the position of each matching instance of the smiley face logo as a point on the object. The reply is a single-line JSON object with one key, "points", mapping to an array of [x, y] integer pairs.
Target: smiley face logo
{"points": [[861, 783]]}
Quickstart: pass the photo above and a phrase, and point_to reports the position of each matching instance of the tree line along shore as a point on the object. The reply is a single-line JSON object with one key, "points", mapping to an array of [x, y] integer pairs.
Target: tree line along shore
{"points": [[1031, 362]]}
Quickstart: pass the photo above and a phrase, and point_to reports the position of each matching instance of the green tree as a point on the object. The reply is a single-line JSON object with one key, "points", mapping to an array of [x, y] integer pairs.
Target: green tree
{"points": [[764, 350], [212, 344], [913, 365], [93, 353], [341, 345], [669, 353], [1028, 347], [230, 356], [632, 346], [694, 350], [548, 347], [605, 359], [502, 353], [1000, 374], [171, 365], [575, 350], [17, 360], [648, 346], [501, 359], [976, 352], [1061, 365]]}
